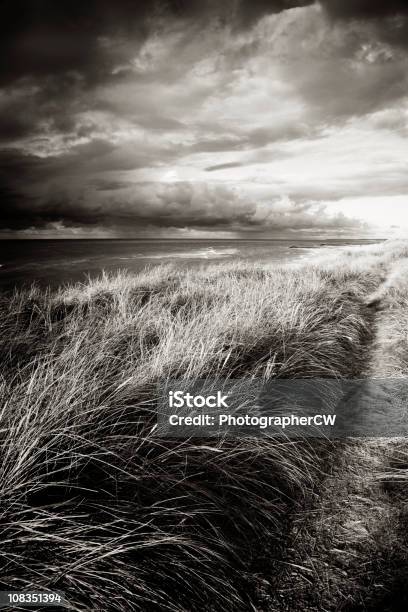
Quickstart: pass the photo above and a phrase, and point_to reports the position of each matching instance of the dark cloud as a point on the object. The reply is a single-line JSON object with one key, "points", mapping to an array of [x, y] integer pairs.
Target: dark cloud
{"points": [[124, 207], [389, 17], [223, 166], [25, 175], [365, 9], [42, 38], [250, 11], [27, 107], [110, 185], [256, 157], [121, 206]]}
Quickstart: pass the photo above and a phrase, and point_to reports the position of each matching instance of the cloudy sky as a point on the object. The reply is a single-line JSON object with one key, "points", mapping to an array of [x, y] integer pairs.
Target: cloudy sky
{"points": [[202, 117]]}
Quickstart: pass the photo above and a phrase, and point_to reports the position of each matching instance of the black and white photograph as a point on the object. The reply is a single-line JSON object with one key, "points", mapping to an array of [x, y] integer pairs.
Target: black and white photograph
{"points": [[204, 305]]}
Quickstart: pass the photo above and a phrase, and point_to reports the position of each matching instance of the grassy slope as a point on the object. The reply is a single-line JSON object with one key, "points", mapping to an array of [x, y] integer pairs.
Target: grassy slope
{"points": [[351, 548], [90, 497]]}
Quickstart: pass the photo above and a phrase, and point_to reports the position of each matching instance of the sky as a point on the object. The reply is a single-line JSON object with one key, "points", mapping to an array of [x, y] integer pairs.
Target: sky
{"points": [[199, 118]]}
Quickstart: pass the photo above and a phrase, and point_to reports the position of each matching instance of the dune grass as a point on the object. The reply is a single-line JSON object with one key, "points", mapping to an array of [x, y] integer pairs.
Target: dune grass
{"points": [[348, 550], [92, 502]]}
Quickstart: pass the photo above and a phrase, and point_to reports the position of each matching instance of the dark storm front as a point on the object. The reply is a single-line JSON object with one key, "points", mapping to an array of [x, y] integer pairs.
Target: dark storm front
{"points": [[55, 262], [315, 408]]}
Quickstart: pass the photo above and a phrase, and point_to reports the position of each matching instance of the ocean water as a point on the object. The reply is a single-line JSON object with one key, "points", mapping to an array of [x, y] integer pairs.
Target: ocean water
{"points": [[56, 262]]}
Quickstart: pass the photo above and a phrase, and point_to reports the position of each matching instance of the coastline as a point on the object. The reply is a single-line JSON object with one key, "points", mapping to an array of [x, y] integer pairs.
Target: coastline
{"points": [[59, 262], [80, 365]]}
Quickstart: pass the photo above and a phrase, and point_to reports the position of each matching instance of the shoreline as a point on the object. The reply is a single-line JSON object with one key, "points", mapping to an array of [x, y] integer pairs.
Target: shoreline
{"points": [[59, 262]]}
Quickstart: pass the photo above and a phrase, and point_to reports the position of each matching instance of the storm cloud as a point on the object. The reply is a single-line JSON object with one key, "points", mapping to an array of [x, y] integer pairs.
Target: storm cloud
{"points": [[44, 38], [365, 9], [195, 114], [198, 206]]}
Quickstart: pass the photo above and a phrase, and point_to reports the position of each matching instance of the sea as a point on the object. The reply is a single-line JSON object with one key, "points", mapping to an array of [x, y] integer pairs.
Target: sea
{"points": [[58, 262]]}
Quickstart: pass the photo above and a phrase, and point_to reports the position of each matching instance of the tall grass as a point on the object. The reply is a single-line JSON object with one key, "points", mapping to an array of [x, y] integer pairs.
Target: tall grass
{"points": [[91, 501]]}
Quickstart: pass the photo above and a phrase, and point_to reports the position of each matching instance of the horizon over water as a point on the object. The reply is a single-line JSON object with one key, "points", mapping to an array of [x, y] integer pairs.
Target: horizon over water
{"points": [[55, 262]]}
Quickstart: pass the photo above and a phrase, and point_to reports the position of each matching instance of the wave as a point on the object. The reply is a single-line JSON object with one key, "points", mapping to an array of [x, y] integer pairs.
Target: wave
{"points": [[208, 253]]}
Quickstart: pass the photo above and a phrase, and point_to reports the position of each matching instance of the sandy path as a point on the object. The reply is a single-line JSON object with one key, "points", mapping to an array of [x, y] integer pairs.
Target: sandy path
{"points": [[347, 549]]}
